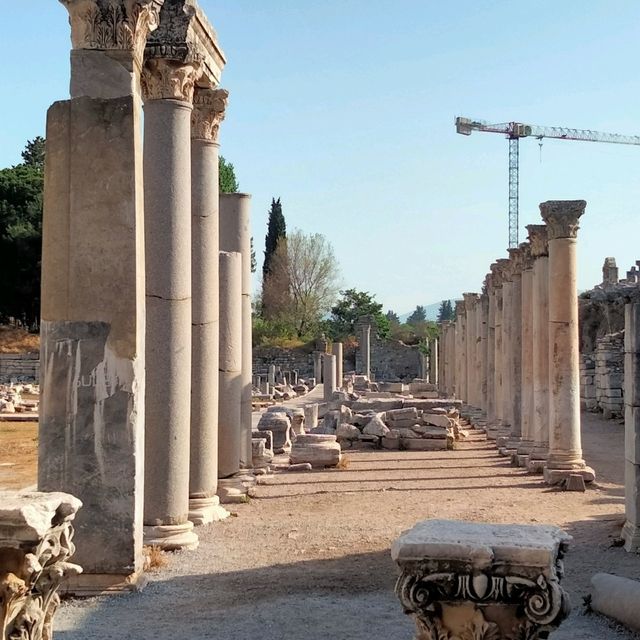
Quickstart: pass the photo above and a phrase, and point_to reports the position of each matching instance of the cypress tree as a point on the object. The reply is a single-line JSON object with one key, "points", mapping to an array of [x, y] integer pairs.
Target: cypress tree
{"points": [[276, 229]]}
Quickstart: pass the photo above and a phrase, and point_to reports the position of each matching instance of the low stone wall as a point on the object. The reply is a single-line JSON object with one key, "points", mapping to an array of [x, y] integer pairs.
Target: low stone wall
{"points": [[19, 367], [602, 377], [392, 360], [284, 359]]}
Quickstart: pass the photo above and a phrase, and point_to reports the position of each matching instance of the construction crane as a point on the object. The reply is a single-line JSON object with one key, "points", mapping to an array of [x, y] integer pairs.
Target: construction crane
{"points": [[516, 130]]}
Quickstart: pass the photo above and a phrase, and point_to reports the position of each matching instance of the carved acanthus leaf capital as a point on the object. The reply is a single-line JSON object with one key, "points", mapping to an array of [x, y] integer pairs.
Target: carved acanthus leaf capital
{"points": [[526, 258], [165, 79], [113, 25], [516, 260], [209, 106], [538, 240], [460, 308], [562, 217]]}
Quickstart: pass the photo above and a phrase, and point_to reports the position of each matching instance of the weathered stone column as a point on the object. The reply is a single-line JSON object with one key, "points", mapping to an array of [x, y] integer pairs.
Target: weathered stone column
{"points": [[229, 413], [526, 412], [208, 113], [470, 300], [482, 581], [91, 435], [490, 394], [365, 346], [540, 309], [434, 349], [317, 366], [565, 447], [271, 376], [483, 340], [329, 376], [499, 279], [507, 332], [461, 355], [168, 85], [631, 529], [452, 358], [235, 235], [336, 349], [35, 549]]}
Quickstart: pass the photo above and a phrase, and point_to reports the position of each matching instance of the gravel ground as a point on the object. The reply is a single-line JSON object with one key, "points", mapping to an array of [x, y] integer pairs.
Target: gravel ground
{"points": [[308, 556]]}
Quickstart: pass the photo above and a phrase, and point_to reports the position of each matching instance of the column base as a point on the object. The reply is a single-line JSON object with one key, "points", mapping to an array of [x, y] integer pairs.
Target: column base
{"points": [[631, 537], [235, 490], [521, 460], [525, 447], [559, 476], [91, 585], [536, 465], [206, 510], [171, 537]]}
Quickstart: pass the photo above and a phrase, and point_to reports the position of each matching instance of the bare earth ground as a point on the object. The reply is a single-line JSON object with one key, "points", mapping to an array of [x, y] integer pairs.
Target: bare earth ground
{"points": [[18, 454], [308, 557]]}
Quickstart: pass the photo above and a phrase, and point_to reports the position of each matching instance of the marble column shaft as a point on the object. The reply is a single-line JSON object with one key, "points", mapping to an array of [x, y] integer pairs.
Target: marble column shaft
{"points": [[470, 351], [365, 348], [336, 349], [515, 350], [507, 333], [490, 393], [527, 347], [461, 355], [235, 236], [329, 376], [434, 349], [565, 447], [483, 335]]}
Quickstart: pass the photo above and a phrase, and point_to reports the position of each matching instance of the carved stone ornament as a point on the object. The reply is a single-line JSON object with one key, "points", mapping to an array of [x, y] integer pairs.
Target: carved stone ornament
{"points": [[516, 261], [164, 79], [209, 106], [525, 256], [460, 308], [485, 582], [35, 547], [112, 25], [538, 240], [470, 300], [562, 217]]}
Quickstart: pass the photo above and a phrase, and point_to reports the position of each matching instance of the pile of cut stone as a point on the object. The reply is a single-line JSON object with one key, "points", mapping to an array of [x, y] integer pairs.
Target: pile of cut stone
{"points": [[281, 432], [12, 401], [284, 388]]}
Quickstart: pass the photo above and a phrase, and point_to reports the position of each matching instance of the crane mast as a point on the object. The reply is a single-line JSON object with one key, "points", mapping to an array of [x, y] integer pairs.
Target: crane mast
{"points": [[516, 130]]}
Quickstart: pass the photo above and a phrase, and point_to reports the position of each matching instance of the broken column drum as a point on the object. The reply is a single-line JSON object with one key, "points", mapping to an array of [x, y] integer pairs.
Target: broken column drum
{"points": [[91, 431], [208, 113], [235, 235], [565, 448], [229, 413]]}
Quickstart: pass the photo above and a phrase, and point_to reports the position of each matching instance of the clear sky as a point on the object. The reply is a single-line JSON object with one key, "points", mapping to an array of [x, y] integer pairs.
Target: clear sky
{"points": [[345, 108]]}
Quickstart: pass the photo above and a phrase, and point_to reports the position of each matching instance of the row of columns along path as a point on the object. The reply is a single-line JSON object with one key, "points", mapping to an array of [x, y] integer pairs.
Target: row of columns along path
{"points": [[311, 551]]}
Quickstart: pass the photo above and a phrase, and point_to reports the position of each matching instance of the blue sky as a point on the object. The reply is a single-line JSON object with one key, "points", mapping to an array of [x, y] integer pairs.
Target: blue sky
{"points": [[344, 109]]}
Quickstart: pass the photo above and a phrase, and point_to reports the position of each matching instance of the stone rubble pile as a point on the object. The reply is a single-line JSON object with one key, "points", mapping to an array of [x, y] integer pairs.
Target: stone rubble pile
{"points": [[12, 401]]}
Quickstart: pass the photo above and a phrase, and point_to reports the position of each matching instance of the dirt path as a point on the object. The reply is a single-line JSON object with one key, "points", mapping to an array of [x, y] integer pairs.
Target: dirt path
{"points": [[308, 557], [18, 454]]}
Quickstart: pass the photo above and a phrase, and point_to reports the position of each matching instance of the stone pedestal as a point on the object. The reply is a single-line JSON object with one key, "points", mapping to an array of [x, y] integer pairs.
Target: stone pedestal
{"points": [[631, 530], [336, 350], [35, 549], [329, 376], [230, 374], [208, 113], [540, 312], [91, 432], [464, 580], [565, 447], [235, 235]]}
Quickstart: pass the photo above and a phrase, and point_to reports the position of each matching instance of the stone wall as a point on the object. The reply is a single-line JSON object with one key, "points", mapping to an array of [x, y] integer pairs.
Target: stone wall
{"points": [[392, 360], [19, 366], [286, 359], [602, 377]]}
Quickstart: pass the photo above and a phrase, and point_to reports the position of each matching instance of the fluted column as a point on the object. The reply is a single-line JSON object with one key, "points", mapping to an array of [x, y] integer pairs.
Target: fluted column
{"points": [[235, 236], [540, 356], [208, 113], [526, 411], [565, 446], [168, 93]]}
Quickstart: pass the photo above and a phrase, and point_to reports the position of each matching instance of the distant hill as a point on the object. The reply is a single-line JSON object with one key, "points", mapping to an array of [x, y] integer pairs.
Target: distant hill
{"points": [[431, 309]]}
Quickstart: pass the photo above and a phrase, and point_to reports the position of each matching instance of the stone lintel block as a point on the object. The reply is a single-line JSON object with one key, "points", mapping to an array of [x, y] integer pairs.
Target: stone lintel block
{"points": [[457, 579]]}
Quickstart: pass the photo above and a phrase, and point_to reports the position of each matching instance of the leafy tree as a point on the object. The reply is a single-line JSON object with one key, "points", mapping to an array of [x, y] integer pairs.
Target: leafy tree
{"points": [[445, 311], [33, 154], [227, 180], [307, 263], [352, 305], [418, 316]]}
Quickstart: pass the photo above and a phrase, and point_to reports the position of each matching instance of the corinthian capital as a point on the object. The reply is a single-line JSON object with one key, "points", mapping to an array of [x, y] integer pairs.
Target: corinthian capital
{"points": [[562, 217], [538, 240], [209, 106], [526, 259], [164, 79], [112, 25], [516, 261]]}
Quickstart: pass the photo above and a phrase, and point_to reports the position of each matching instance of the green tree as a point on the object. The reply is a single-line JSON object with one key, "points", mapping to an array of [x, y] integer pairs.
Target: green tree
{"points": [[227, 181], [276, 230], [33, 154], [393, 318], [418, 316], [445, 311], [352, 305], [254, 264]]}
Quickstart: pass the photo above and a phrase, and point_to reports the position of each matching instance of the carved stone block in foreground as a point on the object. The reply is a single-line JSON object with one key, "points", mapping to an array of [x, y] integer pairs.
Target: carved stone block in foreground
{"points": [[470, 581], [35, 546]]}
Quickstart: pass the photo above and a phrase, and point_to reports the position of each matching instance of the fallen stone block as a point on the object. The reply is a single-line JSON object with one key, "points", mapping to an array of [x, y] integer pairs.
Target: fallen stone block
{"points": [[617, 598], [375, 427], [319, 450], [279, 423], [423, 444], [390, 443], [436, 420], [347, 432]]}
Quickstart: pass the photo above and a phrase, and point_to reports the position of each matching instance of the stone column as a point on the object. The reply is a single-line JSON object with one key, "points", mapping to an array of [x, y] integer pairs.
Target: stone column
{"points": [[208, 113], [527, 346], [229, 412], [565, 447], [507, 329], [540, 309], [470, 351], [631, 529], [434, 348], [452, 359], [461, 355], [336, 349], [490, 393], [168, 93], [484, 333], [271, 376], [365, 346], [329, 376], [91, 432], [235, 235], [498, 282], [317, 366]]}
